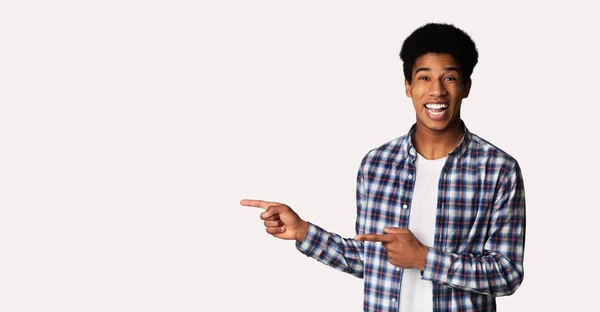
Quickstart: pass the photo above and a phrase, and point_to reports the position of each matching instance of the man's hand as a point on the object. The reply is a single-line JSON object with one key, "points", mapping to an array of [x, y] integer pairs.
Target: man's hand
{"points": [[403, 248], [279, 219]]}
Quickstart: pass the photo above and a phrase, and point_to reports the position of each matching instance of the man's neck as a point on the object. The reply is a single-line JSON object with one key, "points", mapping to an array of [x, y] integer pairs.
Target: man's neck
{"points": [[437, 144]]}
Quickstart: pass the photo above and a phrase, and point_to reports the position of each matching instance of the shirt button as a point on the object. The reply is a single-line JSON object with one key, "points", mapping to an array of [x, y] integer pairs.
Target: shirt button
{"points": [[393, 299], [404, 206], [397, 269], [410, 176]]}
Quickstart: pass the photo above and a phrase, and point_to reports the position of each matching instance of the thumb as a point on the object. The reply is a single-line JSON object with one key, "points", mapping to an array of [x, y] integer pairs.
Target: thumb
{"points": [[273, 210], [395, 230]]}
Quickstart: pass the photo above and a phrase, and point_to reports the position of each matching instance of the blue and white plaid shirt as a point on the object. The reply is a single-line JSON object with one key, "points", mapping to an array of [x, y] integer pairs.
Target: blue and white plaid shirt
{"points": [[478, 247]]}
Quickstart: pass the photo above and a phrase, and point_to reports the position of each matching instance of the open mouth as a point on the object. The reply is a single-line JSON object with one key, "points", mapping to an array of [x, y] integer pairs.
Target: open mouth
{"points": [[436, 109]]}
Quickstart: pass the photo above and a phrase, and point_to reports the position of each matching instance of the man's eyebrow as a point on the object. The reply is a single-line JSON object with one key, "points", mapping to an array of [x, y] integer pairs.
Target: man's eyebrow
{"points": [[451, 68], [422, 69]]}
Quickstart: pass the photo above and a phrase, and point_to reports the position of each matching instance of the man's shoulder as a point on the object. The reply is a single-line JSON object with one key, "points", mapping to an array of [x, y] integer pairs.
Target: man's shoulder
{"points": [[482, 147], [387, 151]]}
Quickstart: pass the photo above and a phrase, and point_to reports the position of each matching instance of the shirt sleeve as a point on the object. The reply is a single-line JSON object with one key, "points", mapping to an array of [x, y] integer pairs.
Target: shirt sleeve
{"points": [[343, 254], [498, 271]]}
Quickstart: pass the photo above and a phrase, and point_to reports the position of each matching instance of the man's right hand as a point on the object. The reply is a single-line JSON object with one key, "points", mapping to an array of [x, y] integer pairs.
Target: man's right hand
{"points": [[279, 219]]}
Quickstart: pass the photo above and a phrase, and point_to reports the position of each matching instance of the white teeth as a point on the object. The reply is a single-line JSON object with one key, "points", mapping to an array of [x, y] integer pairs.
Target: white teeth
{"points": [[436, 106]]}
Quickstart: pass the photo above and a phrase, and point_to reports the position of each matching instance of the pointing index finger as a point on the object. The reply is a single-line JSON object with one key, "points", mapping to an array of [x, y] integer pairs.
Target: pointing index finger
{"points": [[383, 238], [256, 203]]}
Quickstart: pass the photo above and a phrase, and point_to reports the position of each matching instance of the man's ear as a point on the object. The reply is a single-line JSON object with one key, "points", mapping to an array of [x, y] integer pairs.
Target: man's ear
{"points": [[407, 88], [467, 89]]}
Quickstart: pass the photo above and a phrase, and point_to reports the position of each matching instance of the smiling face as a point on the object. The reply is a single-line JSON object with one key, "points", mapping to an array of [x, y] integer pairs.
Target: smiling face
{"points": [[437, 90]]}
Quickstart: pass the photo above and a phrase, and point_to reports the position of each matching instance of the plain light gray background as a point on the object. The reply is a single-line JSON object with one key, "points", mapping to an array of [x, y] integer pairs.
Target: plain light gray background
{"points": [[130, 130]]}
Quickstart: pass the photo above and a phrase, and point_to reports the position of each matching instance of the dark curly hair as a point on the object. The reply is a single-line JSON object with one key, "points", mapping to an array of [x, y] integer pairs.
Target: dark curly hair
{"points": [[439, 38]]}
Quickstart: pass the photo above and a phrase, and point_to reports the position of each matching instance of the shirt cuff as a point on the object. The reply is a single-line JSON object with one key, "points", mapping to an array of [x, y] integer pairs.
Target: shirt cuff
{"points": [[314, 242], [437, 266]]}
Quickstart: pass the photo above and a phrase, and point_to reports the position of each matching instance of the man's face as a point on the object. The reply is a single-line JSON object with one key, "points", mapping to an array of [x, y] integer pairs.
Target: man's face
{"points": [[437, 90]]}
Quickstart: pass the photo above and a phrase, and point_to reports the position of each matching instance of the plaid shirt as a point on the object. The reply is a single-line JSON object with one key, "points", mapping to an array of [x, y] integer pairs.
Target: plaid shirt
{"points": [[479, 239]]}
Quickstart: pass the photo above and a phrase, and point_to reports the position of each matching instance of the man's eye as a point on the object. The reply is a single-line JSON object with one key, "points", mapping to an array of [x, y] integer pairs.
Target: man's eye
{"points": [[423, 78], [451, 79]]}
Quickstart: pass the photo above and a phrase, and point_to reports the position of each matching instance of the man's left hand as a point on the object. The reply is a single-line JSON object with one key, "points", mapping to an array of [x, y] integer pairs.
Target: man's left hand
{"points": [[403, 248]]}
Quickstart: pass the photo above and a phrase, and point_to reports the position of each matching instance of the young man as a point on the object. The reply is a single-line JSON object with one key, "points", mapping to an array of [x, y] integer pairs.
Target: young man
{"points": [[440, 211]]}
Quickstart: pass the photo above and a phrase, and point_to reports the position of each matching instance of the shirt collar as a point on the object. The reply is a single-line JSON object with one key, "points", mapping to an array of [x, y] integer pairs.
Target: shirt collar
{"points": [[407, 150]]}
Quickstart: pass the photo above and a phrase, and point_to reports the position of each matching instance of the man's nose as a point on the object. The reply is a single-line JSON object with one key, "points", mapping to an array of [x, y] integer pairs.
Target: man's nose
{"points": [[437, 88]]}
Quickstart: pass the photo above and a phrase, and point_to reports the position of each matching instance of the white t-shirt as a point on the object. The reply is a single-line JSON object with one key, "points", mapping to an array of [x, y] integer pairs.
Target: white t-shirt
{"points": [[416, 294]]}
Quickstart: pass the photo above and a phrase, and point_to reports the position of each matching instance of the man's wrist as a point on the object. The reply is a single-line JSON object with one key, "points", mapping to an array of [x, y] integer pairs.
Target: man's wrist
{"points": [[302, 231], [423, 258]]}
